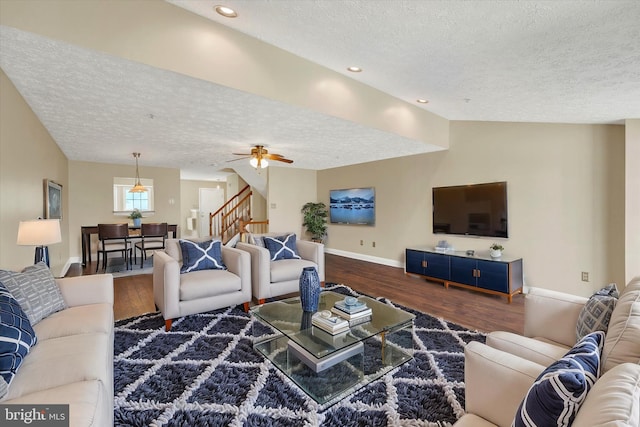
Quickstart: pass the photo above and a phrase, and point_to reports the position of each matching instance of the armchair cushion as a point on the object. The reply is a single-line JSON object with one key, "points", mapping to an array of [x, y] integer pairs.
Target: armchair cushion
{"points": [[556, 395], [597, 311], [282, 247], [288, 269], [36, 291], [201, 256], [203, 284]]}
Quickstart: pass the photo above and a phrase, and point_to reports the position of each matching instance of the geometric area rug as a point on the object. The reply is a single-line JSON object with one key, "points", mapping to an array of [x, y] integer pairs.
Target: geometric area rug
{"points": [[204, 372]]}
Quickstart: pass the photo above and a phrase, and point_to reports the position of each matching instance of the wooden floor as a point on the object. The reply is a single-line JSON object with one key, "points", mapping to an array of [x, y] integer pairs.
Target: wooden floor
{"points": [[484, 312]]}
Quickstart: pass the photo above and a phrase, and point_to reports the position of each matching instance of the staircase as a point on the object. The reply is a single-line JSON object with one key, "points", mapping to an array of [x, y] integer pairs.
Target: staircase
{"points": [[226, 221]]}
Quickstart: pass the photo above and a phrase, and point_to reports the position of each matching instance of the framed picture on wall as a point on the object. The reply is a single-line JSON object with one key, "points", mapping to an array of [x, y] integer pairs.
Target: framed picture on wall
{"points": [[52, 200]]}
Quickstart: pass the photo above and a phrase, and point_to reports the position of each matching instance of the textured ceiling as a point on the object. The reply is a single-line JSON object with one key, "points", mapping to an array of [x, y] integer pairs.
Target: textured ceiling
{"points": [[522, 61], [528, 61]]}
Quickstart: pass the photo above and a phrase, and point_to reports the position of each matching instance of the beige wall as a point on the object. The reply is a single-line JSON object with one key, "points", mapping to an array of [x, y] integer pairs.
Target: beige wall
{"points": [[91, 196], [565, 192], [289, 190], [632, 199], [28, 155]]}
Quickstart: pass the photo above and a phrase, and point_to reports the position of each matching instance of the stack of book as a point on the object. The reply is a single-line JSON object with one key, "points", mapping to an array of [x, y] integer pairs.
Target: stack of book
{"points": [[329, 322], [355, 312]]}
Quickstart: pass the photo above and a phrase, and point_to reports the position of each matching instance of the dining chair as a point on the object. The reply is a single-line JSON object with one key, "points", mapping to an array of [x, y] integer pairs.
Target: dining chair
{"points": [[152, 237], [113, 238]]}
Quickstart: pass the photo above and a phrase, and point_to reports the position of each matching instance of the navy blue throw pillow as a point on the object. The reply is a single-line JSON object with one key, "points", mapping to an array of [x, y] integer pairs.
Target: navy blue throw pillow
{"points": [[201, 256], [555, 397], [282, 247], [16, 335]]}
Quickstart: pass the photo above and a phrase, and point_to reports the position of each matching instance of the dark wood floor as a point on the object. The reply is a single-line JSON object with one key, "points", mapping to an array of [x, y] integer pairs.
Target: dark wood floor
{"points": [[134, 294]]}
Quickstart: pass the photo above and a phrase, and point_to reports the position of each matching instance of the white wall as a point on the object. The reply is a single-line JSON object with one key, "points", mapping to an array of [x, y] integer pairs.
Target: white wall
{"points": [[565, 193]]}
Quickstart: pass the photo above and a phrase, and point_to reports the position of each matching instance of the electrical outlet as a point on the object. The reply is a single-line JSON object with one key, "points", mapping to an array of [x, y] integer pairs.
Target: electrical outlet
{"points": [[373, 244], [361, 242], [585, 276]]}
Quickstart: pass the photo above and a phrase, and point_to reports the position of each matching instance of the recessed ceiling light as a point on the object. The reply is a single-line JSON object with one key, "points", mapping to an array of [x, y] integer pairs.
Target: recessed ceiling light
{"points": [[422, 101], [226, 11], [354, 69]]}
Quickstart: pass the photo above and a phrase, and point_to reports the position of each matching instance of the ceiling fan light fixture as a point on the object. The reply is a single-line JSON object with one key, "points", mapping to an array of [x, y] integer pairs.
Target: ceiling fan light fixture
{"points": [[258, 163], [138, 188], [225, 11]]}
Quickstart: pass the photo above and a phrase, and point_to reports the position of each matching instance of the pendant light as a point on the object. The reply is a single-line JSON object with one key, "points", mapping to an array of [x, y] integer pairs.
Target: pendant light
{"points": [[138, 188]]}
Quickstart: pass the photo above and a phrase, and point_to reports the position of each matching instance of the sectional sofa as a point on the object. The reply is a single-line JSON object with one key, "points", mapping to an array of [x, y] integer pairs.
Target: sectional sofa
{"points": [[72, 361]]}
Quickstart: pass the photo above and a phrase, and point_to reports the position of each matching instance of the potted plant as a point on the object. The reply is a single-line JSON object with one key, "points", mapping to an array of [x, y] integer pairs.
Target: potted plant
{"points": [[496, 250], [136, 216], [315, 219]]}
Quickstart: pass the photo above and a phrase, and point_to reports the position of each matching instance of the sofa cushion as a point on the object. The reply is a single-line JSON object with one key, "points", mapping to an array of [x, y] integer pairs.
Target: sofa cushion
{"points": [[201, 256], [596, 313], [535, 350], [88, 401], [282, 247], [16, 338], [208, 283], [555, 397], [622, 343], [614, 400], [82, 319], [36, 291], [288, 269], [59, 361]]}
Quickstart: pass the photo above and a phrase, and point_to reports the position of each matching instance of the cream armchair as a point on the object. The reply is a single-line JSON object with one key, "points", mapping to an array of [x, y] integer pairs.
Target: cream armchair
{"points": [[499, 374], [178, 295], [274, 278]]}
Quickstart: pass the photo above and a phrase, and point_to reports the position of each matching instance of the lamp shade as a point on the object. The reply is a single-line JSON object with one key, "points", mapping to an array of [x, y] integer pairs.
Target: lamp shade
{"points": [[39, 232]]}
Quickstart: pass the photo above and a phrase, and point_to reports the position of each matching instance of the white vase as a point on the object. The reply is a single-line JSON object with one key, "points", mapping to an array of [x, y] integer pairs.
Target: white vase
{"points": [[495, 253]]}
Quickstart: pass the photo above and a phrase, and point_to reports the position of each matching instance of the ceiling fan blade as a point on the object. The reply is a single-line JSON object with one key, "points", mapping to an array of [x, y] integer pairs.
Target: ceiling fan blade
{"points": [[239, 158], [272, 156], [241, 154], [283, 160]]}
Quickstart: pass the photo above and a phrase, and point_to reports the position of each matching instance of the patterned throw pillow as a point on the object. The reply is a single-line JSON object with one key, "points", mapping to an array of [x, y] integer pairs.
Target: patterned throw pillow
{"points": [[201, 256], [36, 291], [596, 313], [555, 397], [16, 338], [282, 247]]}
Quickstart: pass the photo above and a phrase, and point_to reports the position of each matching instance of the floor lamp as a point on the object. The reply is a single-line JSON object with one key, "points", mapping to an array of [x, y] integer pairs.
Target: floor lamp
{"points": [[39, 233]]}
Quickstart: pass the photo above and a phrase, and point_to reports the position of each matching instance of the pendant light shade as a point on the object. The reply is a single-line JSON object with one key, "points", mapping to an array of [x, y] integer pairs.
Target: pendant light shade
{"points": [[138, 188]]}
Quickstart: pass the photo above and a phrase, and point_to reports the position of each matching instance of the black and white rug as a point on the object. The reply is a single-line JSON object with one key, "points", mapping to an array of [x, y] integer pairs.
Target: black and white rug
{"points": [[204, 372]]}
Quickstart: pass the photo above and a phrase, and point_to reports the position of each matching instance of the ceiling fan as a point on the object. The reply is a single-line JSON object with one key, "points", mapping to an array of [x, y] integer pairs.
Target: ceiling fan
{"points": [[260, 157]]}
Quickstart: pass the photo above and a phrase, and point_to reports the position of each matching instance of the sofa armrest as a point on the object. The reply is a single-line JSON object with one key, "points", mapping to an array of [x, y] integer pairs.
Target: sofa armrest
{"points": [[312, 251], [552, 315], [83, 290], [238, 262], [166, 284], [260, 269], [496, 382]]}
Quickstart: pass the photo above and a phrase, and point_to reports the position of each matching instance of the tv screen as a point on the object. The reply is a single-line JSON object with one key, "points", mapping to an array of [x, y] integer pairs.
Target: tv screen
{"points": [[475, 210], [352, 206]]}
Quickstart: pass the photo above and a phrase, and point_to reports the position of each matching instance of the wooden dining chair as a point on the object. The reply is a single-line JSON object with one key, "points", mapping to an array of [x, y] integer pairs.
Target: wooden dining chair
{"points": [[152, 237], [113, 238]]}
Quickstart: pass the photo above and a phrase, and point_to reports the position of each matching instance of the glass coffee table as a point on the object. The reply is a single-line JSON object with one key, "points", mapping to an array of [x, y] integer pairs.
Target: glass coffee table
{"points": [[328, 367]]}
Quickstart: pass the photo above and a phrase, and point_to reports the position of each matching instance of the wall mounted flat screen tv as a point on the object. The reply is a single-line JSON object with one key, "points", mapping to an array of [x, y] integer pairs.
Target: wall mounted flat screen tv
{"points": [[473, 210], [353, 206]]}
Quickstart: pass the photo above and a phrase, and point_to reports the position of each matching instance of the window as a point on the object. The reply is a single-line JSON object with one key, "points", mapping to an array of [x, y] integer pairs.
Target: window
{"points": [[124, 201]]}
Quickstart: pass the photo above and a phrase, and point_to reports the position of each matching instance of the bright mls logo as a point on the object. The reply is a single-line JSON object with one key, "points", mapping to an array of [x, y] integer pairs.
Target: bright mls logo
{"points": [[34, 415]]}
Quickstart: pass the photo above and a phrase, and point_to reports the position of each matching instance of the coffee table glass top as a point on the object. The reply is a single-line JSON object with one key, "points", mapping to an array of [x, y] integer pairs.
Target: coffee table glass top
{"points": [[288, 318]]}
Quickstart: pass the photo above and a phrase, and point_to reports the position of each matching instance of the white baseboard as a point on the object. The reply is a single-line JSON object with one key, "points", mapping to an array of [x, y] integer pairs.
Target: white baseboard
{"points": [[363, 257]]}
